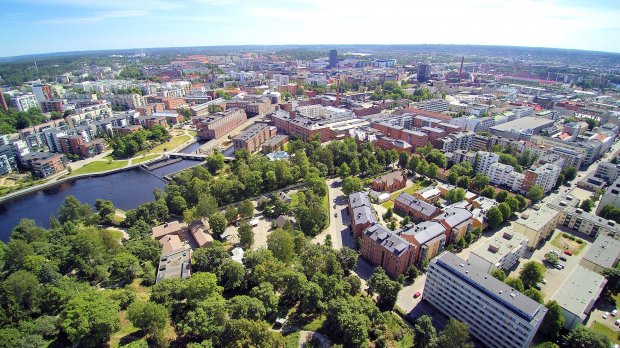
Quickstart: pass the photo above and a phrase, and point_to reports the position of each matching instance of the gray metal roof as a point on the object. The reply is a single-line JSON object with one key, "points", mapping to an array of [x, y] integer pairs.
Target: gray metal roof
{"points": [[416, 204], [604, 251], [388, 240], [358, 199], [363, 214], [455, 216], [426, 231]]}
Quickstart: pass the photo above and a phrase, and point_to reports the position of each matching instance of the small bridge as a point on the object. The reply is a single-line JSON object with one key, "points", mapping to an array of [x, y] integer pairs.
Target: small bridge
{"points": [[188, 156]]}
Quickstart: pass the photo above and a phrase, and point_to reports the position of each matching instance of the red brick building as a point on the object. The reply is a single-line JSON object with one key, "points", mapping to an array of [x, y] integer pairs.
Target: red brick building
{"points": [[417, 209], [173, 103], [390, 182], [44, 164], [149, 122], [77, 146], [220, 123], [253, 137], [382, 247], [126, 129], [360, 212]]}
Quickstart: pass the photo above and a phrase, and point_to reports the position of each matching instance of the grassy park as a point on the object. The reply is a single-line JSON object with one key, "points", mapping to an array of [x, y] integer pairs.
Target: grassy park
{"points": [[99, 166]]}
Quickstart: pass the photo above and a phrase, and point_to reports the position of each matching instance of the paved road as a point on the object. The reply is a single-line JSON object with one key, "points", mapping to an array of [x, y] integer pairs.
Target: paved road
{"points": [[338, 217]]}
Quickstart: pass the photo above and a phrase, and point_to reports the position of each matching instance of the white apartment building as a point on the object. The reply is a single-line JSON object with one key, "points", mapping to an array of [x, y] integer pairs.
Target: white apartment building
{"points": [[485, 159], [25, 101], [499, 252], [433, 105], [611, 196], [497, 314], [608, 171], [547, 176]]}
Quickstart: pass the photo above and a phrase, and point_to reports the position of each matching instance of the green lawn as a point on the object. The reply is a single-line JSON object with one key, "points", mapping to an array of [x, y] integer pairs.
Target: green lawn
{"points": [[192, 133], [316, 324], [99, 166], [128, 332], [410, 190], [169, 145], [566, 244], [607, 331], [292, 340], [616, 297], [138, 160], [388, 204]]}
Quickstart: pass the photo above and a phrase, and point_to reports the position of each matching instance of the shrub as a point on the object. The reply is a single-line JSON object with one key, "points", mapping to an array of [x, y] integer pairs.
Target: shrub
{"points": [[565, 235], [579, 241]]}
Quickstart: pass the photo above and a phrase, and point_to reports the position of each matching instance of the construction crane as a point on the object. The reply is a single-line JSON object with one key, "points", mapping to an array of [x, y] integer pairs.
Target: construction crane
{"points": [[461, 68]]}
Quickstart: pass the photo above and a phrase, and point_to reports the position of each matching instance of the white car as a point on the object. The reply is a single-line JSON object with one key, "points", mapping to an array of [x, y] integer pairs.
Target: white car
{"points": [[604, 315], [544, 281], [614, 312]]}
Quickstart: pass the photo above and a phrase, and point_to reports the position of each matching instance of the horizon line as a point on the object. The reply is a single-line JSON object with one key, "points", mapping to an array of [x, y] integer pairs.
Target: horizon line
{"points": [[77, 52]]}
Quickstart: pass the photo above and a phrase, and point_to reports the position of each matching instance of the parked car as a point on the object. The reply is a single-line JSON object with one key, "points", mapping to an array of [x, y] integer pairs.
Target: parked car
{"points": [[554, 252], [544, 281], [417, 294], [568, 252], [617, 322], [559, 266], [537, 286], [605, 315], [614, 312], [563, 258]]}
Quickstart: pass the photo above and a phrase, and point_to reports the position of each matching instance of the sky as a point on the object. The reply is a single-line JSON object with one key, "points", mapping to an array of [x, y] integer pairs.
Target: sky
{"points": [[43, 26]]}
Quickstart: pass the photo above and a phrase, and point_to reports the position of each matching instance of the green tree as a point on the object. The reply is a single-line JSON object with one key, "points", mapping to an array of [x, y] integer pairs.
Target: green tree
{"points": [[249, 333], [534, 295], [587, 205], [553, 321], [230, 213], [387, 290], [89, 319], [570, 173], [432, 171], [268, 297], [505, 209], [403, 160], [536, 193], [311, 300], [532, 273], [209, 259], [488, 192], [455, 195], [453, 178], [246, 235], [22, 292], [215, 162], [515, 283], [480, 181], [246, 307], [281, 244], [455, 335], [501, 196], [125, 267], [74, 211], [425, 335], [355, 166], [149, 317], [352, 184], [344, 171], [106, 211], [613, 279], [581, 337], [498, 274], [513, 203], [463, 182], [232, 275], [218, 223], [494, 217], [246, 209]]}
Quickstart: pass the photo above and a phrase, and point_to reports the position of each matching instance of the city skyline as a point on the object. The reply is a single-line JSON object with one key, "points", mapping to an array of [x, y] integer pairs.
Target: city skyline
{"points": [[45, 26]]}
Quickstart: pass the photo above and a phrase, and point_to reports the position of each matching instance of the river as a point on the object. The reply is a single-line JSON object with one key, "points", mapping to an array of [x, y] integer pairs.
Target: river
{"points": [[126, 189]]}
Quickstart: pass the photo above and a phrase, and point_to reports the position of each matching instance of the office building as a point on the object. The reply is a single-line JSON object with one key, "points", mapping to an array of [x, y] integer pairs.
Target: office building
{"points": [[578, 294], [608, 171], [498, 315], [499, 252], [424, 72], [333, 59]]}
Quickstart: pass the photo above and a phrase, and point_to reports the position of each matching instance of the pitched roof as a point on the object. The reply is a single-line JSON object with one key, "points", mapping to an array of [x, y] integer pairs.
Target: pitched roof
{"points": [[387, 239], [165, 229], [417, 204]]}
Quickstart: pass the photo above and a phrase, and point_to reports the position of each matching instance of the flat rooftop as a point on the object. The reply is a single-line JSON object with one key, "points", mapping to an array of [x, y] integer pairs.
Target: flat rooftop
{"points": [[493, 249], [495, 289], [522, 123], [604, 251], [175, 265], [580, 289], [537, 218]]}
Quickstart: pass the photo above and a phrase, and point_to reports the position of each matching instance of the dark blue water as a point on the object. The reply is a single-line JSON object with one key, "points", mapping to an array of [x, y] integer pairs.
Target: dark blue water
{"points": [[126, 190]]}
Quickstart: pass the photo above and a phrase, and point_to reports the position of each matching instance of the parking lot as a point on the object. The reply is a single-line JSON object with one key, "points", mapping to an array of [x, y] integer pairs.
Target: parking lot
{"points": [[554, 277]]}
